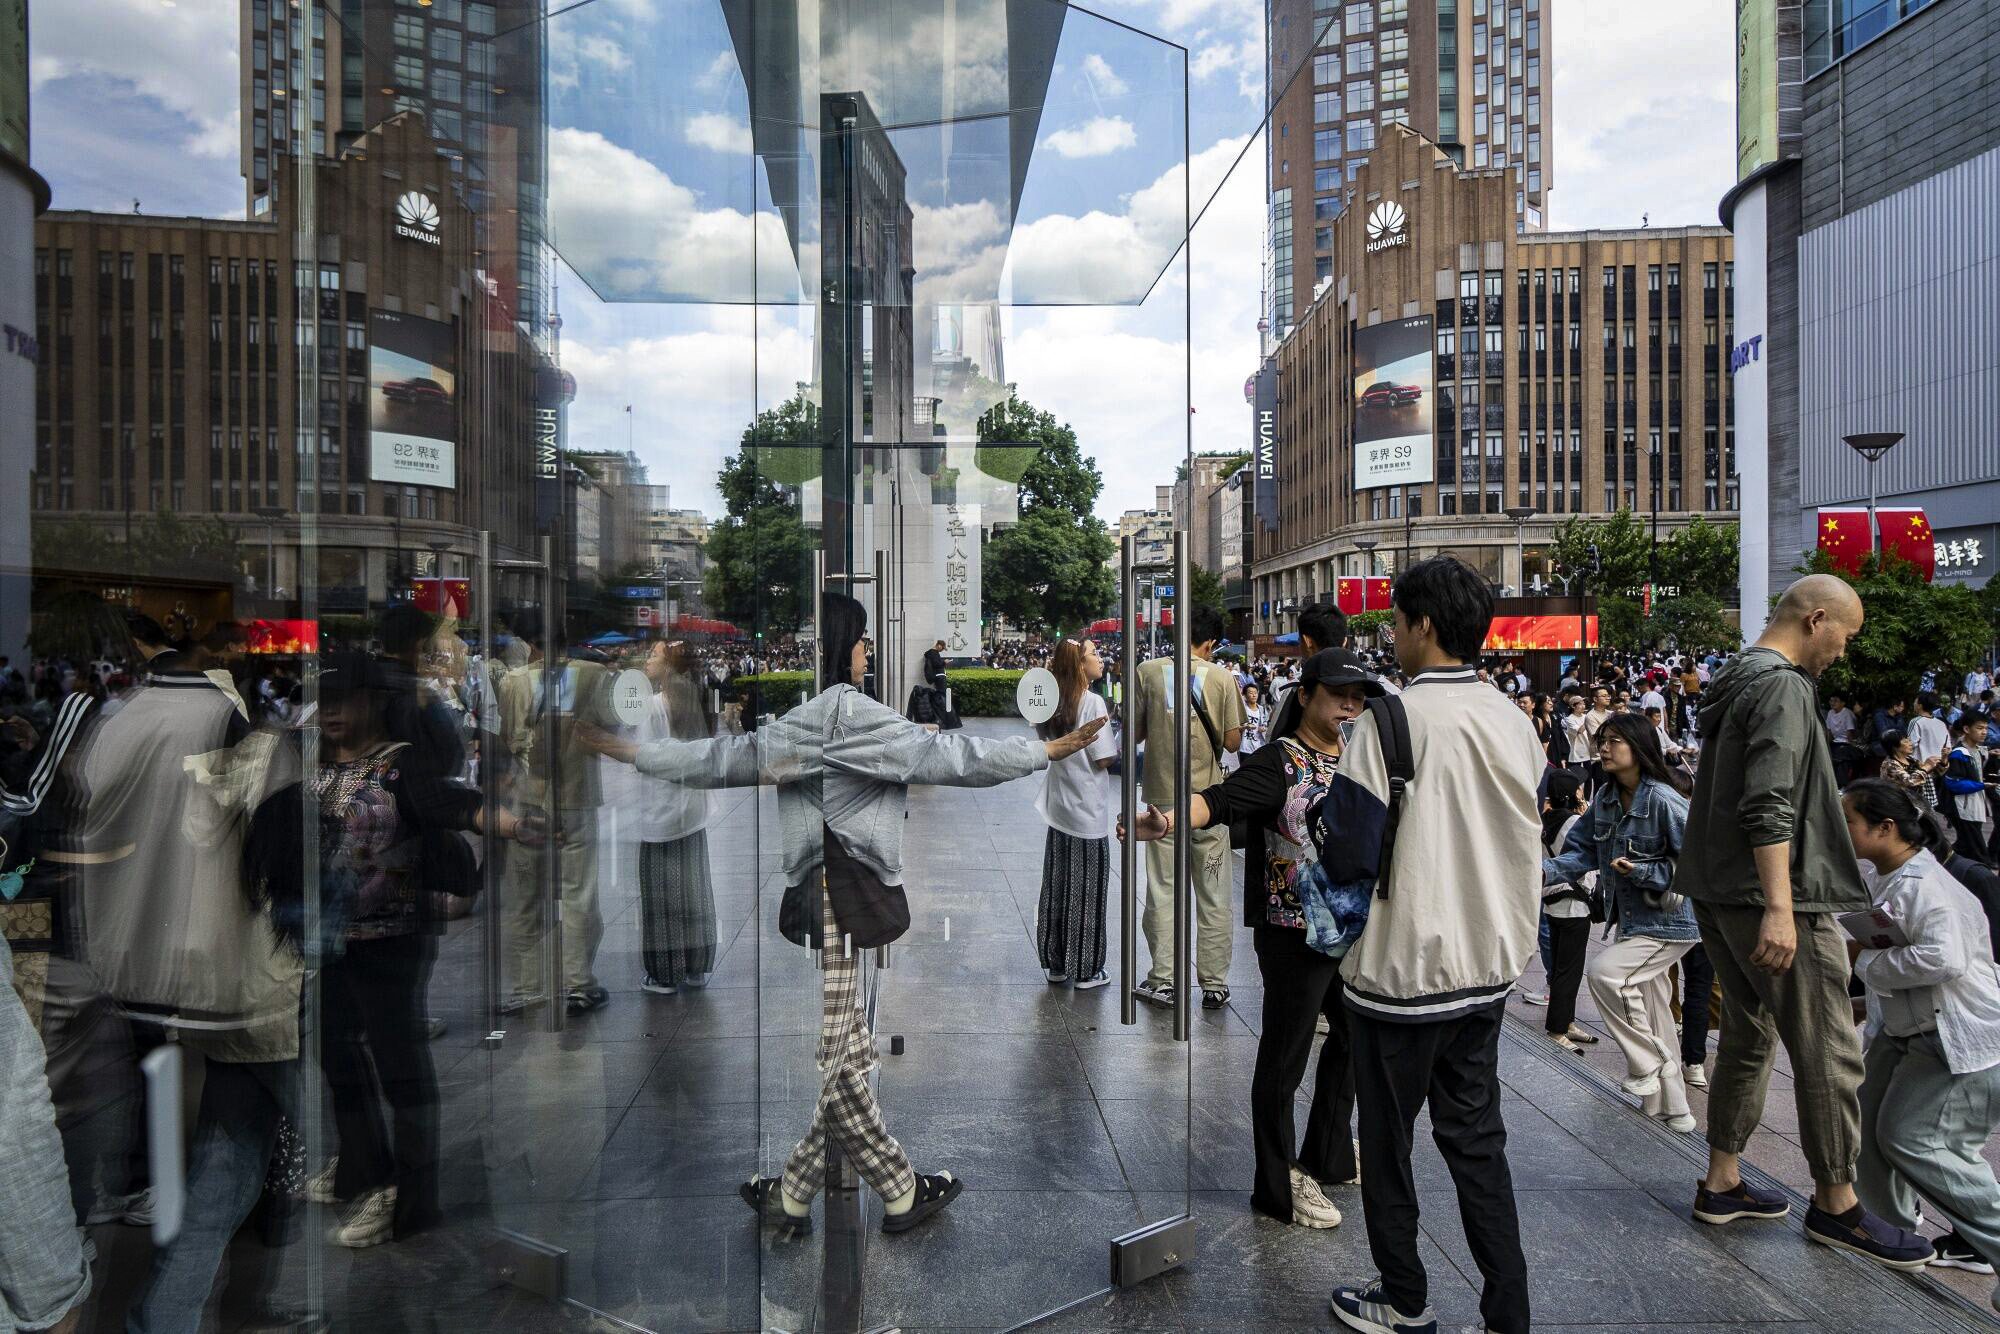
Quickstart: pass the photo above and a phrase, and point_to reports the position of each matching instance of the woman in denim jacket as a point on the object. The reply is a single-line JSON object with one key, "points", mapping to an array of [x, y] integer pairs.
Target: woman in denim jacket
{"points": [[1631, 837]]}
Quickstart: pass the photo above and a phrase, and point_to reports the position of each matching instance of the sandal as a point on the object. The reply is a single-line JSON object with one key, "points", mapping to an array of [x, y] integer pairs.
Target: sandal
{"points": [[762, 1194], [1214, 998], [934, 1192]]}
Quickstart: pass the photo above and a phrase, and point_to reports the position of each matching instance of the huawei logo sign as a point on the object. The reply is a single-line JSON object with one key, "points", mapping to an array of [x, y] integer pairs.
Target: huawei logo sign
{"points": [[1387, 226], [417, 218]]}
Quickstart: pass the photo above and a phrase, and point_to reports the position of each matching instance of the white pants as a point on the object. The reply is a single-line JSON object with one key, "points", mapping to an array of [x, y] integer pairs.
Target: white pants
{"points": [[1628, 980]]}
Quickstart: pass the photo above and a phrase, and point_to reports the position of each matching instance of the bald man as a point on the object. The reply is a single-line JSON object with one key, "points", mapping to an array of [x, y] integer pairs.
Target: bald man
{"points": [[1767, 861]]}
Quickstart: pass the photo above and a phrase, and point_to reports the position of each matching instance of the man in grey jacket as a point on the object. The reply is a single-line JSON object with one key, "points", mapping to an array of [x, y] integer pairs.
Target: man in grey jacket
{"points": [[1768, 863]]}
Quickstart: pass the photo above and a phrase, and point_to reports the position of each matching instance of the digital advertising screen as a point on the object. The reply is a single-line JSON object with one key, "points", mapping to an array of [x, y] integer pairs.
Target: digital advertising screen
{"points": [[1394, 396], [1517, 634], [412, 400]]}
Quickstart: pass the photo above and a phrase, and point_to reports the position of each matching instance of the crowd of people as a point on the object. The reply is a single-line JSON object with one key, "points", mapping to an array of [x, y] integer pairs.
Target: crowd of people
{"points": [[1736, 836]]}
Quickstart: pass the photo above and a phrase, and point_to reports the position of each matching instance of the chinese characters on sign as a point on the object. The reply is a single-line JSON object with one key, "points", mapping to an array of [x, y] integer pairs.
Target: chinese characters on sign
{"points": [[956, 544], [1966, 555]]}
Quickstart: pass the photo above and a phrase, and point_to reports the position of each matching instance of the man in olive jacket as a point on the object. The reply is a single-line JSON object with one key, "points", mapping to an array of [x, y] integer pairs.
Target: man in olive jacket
{"points": [[1768, 863]]}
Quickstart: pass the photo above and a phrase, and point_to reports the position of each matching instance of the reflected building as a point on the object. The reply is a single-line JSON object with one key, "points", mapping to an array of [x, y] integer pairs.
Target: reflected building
{"points": [[204, 368]]}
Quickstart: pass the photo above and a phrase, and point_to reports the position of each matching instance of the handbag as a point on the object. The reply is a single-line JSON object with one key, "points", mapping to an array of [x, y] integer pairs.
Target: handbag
{"points": [[870, 911]]}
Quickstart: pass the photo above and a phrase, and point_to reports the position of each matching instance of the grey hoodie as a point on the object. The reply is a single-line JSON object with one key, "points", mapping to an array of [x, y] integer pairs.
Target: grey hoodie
{"points": [[843, 761], [1766, 777]]}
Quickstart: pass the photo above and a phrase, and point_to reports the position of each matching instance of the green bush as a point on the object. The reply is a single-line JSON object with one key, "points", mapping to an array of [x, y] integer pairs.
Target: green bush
{"points": [[979, 692], [984, 692]]}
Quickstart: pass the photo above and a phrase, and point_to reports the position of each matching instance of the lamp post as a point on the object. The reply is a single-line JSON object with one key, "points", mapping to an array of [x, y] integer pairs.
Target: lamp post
{"points": [[1520, 514], [270, 514], [1366, 546], [1872, 445]]}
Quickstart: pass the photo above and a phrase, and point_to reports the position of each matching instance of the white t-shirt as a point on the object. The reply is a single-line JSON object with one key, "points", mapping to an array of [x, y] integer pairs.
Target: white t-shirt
{"points": [[666, 810], [1930, 736], [1076, 794], [1653, 699]]}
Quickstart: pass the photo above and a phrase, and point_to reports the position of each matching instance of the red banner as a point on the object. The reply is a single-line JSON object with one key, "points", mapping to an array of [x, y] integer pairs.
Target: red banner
{"points": [[1906, 533], [1844, 537], [1350, 597], [442, 597], [1377, 597], [286, 637], [1513, 634]]}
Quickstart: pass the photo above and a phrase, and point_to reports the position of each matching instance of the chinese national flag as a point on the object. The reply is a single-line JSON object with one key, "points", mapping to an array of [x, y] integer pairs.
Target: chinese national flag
{"points": [[1907, 534], [1347, 595], [1378, 593], [1844, 537]]}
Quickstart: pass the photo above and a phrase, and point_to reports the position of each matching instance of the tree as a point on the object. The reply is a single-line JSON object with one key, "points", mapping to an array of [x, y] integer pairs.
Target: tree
{"points": [[162, 544], [1909, 627], [1691, 621], [1052, 570], [760, 554], [1206, 590], [1699, 562], [1701, 558]]}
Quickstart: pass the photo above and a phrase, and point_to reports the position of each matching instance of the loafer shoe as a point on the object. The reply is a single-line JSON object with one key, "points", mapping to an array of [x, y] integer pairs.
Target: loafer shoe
{"points": [[1871, 1237], [1745, 1201]]}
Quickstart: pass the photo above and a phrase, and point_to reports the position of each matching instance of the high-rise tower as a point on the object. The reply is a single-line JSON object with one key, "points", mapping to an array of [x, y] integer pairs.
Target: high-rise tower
{"points": [[1471, 75]]}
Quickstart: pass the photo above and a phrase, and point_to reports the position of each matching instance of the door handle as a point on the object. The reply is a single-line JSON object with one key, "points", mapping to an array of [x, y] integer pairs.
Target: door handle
{"points": [[1183, 838], [1128, 784], [161, 1068]]}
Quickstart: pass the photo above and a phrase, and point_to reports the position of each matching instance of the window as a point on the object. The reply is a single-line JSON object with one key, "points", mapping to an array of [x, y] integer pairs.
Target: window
{"points": [[1395, 85], [1326, 144], [1468, 285], [1326, 178], [1479, 158], [410, 71], [1514, 102], [1396, 116], [410, 31], [1534, 108], [1322, 238], [1326, 208], [1326, 107], [1360, 135], [1360, 97], [479, 18], [1514, 143], [1326, 67], [1534, 71], [1479, 80], [1479, 122], [1534, 180], [1534, 146], [445, 45], [1395, 46], [1395, 11], [1708, 281], [1360, 18], [1534, 32], [1360, 58]]}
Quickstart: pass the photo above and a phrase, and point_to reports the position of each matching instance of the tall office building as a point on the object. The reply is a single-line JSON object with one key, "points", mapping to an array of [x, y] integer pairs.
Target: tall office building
{"points": [[1469, 75], [314, 83]]}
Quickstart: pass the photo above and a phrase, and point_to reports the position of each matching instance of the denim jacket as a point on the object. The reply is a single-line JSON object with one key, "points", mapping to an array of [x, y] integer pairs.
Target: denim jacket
{"points": [[1650, 834]]}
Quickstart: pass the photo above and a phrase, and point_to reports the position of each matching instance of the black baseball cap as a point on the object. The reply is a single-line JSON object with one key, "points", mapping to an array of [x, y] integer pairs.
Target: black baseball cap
{"points": [[1338, 667]]}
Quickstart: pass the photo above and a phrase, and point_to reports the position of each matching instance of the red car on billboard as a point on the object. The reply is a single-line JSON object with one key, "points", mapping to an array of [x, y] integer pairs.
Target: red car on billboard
{"points": [[415, 391], [1388, 394]]}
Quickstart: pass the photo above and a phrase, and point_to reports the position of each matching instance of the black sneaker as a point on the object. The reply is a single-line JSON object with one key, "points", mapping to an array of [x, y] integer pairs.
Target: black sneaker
{"points": [[1955, 1252], [1744, 1201], [934, 1192], [1870, 1237]]}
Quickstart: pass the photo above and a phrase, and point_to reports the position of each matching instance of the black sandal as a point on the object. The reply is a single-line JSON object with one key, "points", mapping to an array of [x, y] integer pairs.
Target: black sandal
{"points": [[933, 1194], [762, 1194], [1214, 998]]}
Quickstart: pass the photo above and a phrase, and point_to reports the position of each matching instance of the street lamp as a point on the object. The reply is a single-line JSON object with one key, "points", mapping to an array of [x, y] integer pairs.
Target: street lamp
{"points": [[1872, 445], [1366, 545], [1520, 514], [270, 514]]}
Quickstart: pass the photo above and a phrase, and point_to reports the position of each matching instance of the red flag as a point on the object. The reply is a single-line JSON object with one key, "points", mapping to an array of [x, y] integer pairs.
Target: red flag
{"points": [[1906, 533], [1844, 537], [1377, 597], [1349, 597]]}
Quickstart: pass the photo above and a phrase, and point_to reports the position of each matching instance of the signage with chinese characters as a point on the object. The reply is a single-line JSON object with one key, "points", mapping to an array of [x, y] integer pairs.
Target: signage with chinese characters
{"points": [[1966, 555], [631, 691], [955, 542], [1037, 695], [412, 400]]}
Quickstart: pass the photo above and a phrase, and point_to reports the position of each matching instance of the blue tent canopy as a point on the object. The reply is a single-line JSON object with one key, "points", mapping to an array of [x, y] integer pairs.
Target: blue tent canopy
{"points": [[1290, 638]]}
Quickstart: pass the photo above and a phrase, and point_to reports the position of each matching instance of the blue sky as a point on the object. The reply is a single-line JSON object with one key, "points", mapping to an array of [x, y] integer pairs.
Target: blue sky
{"points": [[136, 99]]}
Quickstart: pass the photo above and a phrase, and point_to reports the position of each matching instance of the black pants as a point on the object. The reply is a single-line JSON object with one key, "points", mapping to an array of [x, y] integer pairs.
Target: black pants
{"points": [[1697, 985], [1300, 984], [1454, 1065], [1567, 937], [376, 1050]]}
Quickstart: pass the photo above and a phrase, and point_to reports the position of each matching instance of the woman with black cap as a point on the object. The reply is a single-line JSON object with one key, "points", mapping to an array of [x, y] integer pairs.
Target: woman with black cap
{"points": [[1276, 794]]}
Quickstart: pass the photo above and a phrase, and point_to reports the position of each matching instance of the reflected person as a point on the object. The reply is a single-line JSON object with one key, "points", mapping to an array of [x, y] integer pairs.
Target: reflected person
{"points": [[843, 765], [676, 899]]}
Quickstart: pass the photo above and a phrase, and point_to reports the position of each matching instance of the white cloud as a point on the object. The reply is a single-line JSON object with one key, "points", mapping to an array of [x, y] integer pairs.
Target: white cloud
{"points": [[1095, 138], [184, 58], [719, 73], [1244, 59], [1103, 79], [723, 133], [635, 234], [1644, 112]]}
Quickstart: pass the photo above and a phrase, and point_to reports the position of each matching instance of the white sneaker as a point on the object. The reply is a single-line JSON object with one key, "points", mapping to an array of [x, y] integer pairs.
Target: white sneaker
{"points": [[1094, 981], [319, 1187], [1533, 997], [1310, 1207], [1680, 1125], [370, 1221], [1696, 1076]]}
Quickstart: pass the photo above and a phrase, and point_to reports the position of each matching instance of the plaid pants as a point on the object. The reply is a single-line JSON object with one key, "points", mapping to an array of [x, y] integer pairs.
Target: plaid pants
{"points": [[846, 1108]]}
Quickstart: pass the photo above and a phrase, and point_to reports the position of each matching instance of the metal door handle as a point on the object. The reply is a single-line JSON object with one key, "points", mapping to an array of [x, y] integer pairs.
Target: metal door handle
{"points": [[162, 1069], [1128, 785], [1183, 740]]}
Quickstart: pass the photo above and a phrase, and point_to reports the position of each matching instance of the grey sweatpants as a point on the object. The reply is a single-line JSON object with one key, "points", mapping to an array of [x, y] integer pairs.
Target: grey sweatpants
{"points": [[1922, 1132]]}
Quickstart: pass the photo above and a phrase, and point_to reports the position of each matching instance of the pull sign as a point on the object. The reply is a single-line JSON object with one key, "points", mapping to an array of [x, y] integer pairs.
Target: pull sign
{"points": [[1037, 695], [629, 693]]}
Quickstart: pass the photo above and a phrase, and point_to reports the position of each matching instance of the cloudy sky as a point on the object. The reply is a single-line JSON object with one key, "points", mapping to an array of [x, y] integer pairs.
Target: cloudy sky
{"points": [[657, 206]]}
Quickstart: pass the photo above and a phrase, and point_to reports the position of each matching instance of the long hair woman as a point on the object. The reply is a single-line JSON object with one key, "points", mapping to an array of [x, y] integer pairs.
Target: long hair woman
{"points": [[1631, 837], [1076, 861]]}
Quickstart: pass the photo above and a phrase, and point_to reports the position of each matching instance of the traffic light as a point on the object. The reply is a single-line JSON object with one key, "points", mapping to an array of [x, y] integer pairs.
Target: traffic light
{"points": [[1596, 560]]}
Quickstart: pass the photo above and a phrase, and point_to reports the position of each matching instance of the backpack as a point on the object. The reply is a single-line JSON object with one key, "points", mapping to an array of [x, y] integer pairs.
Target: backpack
{"points": [[1336, 915]]}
